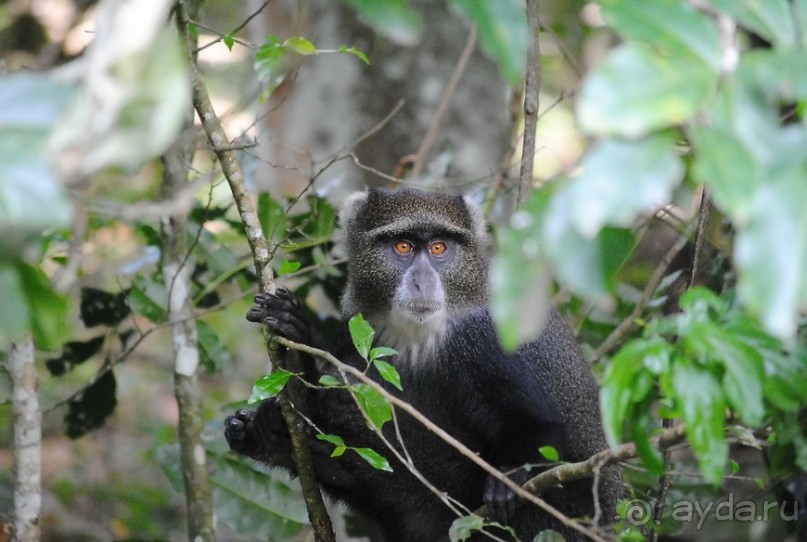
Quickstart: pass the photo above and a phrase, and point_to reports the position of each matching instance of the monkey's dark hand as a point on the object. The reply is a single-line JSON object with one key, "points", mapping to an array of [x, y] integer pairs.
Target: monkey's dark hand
{"points": [[283, 315], [502, 500], [260, 434]]}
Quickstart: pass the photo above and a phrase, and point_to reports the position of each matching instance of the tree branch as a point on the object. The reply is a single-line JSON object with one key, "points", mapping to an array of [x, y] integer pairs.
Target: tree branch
{"points": [[532, 87], [301, 453], [27, 441]]}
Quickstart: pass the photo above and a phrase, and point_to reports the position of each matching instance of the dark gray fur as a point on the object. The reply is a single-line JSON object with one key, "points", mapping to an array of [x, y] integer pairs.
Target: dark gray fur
{"points": [[503, 405]]}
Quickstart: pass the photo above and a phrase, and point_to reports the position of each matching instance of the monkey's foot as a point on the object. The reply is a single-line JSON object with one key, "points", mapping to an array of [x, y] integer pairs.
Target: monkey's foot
{"points": [[238, 430]]}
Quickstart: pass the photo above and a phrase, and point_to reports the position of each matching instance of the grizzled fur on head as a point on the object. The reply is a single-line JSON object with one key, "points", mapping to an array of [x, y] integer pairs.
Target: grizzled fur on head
{"points": [[371, 220]]}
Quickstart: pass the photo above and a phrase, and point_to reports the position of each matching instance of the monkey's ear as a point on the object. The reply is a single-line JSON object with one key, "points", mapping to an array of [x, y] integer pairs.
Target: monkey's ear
{"points": [[351, 207], [478, 223]]}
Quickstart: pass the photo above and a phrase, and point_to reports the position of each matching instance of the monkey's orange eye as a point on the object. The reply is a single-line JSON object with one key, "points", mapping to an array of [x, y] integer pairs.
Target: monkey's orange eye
{"points": [[437, 248], [403, 247]]}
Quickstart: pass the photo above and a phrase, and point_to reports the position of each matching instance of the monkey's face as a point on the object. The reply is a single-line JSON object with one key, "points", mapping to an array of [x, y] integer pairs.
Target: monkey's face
{"points": [[413, 257]]}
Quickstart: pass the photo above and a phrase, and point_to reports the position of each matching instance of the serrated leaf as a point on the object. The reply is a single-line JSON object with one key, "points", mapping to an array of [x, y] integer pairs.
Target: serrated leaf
{"points": [[503, 32], [463, 528], [300, 45], [376, 460], [550, 453], [699, 397], [362, 334], [269, 386], [388, 372], [288, 267], [635, 92], [377, 408]]}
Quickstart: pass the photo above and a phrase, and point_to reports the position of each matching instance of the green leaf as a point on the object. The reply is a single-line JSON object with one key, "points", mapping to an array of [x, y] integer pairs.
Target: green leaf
{"points": [[273, 218], [377, 408], [503, 32], [548, 535], [382, 352], [228, 42], [771, 19], [287, 267], [549, 453], [214, 356], [725, 165], [333, 439], [778, 74], [636, 91], [249, 498], [355, 52], [329, 382], [15, 317], [700, 399], [744, 374], [621, 180], [48, 309], [388, 372], [362, 334], [520, 276], [463, 528], [269, 386], [619, 390], [271, 65], [376, 460], [31, 197], [300, 45], [393, 19], [150, 299], [674, 27], [771, 252]]}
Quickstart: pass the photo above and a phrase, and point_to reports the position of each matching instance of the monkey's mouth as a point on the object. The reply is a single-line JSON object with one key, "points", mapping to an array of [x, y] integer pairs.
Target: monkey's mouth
{"points": [[422, 311]]}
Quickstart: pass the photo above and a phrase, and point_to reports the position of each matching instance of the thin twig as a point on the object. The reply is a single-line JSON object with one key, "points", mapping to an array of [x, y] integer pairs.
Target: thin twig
{"points": [[442, 108], [532, 87]]}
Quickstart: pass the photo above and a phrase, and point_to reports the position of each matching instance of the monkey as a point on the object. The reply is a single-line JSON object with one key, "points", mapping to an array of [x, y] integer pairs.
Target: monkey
{"points": [[417, 270]]}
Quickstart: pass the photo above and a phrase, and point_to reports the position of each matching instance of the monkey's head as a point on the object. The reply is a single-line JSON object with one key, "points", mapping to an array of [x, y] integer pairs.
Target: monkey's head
{"points": [[415, 260]]}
